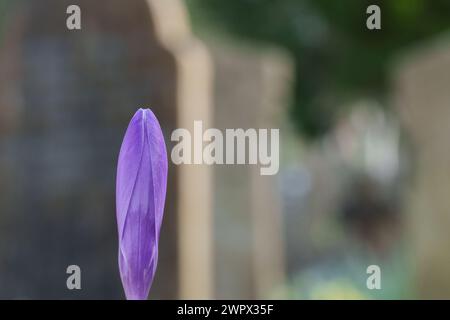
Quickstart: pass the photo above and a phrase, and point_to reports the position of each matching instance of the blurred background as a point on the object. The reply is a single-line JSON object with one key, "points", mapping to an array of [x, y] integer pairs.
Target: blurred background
{"points": [[364, 149]]}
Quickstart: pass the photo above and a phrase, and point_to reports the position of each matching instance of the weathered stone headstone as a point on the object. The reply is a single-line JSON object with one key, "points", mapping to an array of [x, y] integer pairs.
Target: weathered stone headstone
{"points": [[250, 88], [422, 83], [66, 99]]}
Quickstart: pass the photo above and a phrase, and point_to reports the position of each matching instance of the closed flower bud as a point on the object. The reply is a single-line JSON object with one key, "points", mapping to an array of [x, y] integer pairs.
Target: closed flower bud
{"points": [[140, 196]]}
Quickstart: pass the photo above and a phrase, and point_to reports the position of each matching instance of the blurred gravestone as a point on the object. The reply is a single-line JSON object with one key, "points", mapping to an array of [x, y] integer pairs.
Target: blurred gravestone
{"points": [[422, 98], [66, 100], [250, 90]]}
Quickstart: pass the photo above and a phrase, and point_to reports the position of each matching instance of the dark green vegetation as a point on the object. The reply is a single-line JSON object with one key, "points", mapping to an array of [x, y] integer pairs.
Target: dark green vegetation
{"points": [[337, 58]]}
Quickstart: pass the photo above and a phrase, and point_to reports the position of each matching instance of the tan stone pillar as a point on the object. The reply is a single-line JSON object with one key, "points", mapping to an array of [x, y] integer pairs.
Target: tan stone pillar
{"points": [[422, 97], [193, 102]]}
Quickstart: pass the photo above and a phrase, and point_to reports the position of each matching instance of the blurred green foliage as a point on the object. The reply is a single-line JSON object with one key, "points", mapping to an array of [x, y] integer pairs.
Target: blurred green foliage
{"points": [[337, 58]]}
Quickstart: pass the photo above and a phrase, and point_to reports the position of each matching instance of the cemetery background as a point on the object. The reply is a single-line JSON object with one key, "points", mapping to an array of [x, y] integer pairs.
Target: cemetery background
{"points": [[363, 132]]}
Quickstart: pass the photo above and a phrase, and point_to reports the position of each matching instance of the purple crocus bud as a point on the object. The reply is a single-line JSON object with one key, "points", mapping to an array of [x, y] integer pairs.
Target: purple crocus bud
{"points": [[140, 195]]}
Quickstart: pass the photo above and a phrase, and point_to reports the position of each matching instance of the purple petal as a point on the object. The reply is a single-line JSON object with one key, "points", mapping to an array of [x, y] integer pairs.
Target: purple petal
{"points": [[140, 195]]}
